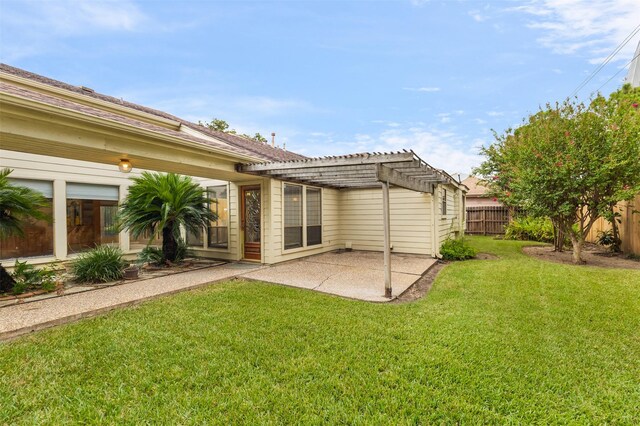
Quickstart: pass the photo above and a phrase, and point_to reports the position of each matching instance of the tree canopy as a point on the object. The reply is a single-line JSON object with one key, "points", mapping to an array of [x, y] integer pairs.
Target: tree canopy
{"points": [[570, 161], [165, 202], [222, 126]]}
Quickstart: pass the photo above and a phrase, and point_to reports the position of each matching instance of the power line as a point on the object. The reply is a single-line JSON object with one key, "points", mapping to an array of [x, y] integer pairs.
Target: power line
{"points": [[619, 71], [606, 60]]}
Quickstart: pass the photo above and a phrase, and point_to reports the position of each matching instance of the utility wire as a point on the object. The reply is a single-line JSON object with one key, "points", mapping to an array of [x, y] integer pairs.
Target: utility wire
{"points": [[619, 71], [606, 60]]}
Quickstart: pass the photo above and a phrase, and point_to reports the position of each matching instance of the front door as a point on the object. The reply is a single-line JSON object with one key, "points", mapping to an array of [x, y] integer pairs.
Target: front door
{"points": [[251, 221]]}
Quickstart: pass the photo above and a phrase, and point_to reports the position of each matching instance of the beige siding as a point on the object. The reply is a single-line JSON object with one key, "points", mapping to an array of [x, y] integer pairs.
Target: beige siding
{"points": [[361, 220], [449, 224]]}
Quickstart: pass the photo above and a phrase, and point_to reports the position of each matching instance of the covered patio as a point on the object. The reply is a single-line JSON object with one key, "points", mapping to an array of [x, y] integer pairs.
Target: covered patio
{"points": [[359, 171]]}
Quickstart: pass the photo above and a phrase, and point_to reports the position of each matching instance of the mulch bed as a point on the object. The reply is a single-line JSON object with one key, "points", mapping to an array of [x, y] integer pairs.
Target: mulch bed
{"points": [[593, 254]]}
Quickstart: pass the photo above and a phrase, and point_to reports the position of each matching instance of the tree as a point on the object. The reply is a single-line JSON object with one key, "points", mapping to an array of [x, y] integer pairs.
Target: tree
{"points": [[222, 126], [571, 162], [218, 125], [165, 202], [17, 204]]}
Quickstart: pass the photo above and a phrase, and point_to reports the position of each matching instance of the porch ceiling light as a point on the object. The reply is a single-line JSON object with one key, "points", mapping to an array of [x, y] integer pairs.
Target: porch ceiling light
{"points": [[124, 165]]}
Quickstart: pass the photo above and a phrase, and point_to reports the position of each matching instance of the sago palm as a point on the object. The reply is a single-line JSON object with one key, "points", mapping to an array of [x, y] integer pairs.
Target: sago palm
{"points": [[17, 204], [165, 202]]}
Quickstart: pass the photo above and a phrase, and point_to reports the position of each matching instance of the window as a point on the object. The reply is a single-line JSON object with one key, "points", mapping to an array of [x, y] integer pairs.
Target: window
{"points": [[195, 239], [314, 216], [444, 201], [38, 234], [219, 204], [91, 214], [292, 216]]}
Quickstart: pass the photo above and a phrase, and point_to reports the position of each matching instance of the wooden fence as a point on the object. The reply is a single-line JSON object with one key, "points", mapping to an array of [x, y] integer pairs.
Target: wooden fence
{"points": [[487, 220], [629, 228]]}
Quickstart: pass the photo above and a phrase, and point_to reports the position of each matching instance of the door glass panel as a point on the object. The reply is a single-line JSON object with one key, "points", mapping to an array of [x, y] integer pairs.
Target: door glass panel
{"points": [[252, 216]]}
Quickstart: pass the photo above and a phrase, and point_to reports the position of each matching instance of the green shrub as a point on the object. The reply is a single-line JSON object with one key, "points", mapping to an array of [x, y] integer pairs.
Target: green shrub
{"points": [[28, 277], [101, 264], [530, 229], [607, 239], [155, 256], [456, 249]]}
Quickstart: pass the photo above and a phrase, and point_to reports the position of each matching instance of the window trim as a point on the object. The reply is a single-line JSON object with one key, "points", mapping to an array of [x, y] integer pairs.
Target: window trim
{"points": [[304, 246]]}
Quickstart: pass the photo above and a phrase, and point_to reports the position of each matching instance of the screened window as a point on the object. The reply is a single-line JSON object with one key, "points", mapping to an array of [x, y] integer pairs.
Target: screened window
{"points": [[91, 216], [292, 216], [38, 234], [219, 204], [314, 216]]}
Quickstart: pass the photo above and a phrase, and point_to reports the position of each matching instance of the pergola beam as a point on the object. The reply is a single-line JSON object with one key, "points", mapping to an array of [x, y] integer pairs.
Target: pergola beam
{"points": [[394, 177], [342, 161]]}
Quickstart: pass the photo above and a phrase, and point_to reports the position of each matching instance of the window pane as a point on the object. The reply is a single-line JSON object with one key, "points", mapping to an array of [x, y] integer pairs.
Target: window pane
{"points": [[142, 241], [314, 216], [38, 234], [90, 223], [292, 216], [219, 204], [195, 239]]}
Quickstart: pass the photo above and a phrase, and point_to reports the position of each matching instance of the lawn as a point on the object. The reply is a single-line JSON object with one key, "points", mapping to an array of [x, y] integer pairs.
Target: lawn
{"points": [[513, 340]]}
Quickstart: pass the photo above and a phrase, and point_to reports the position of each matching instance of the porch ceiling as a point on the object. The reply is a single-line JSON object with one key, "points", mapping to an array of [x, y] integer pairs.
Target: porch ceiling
{"points": [[367, 170]]}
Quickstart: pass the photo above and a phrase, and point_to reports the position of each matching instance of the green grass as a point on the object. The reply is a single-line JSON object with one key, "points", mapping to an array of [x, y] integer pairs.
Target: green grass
{"points": [[513, 340]]}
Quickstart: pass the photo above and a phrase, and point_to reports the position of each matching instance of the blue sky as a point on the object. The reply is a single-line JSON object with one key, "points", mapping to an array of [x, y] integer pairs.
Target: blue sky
{"points": [[331, 77]]}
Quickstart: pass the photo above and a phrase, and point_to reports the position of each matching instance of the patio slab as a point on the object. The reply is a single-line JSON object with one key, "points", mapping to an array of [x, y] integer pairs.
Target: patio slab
{"points": [[356, 275]]}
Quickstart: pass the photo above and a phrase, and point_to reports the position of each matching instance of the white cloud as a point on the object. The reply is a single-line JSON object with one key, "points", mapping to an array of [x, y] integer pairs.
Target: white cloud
{"points": [[422, 89], [477, 16], [479, 121], [590, 27], [495, 113], [270, 106], [41, 26]]}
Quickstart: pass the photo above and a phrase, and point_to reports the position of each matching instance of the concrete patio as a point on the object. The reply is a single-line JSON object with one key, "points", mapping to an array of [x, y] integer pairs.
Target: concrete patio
{"points": [[356, 274]]}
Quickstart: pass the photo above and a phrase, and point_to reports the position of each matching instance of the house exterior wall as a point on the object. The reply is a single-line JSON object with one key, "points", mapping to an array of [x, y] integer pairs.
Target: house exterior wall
{"points": [[349, 217], [361, 222], [62, 171]]}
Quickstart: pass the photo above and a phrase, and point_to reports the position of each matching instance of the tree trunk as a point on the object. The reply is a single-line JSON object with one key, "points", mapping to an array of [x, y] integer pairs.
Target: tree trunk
{"points": [[6, 280], [169, 243], [616, 233], [577, 242], [558, 238]]}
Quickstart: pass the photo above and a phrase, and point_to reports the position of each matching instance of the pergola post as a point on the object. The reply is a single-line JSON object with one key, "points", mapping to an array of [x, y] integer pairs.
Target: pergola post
{"points": [[387, 238]]}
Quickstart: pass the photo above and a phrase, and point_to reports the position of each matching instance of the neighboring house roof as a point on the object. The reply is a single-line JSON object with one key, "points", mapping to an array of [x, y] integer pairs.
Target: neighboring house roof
{"points": [[476, 189], [221, 140]]}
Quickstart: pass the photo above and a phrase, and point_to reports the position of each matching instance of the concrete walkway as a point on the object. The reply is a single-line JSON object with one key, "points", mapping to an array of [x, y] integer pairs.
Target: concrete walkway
{"points": [[24, 318], [356, 275]]}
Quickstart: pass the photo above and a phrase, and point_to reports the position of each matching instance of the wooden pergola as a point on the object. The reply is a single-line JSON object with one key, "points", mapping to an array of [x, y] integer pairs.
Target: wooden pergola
{"points": [[357, 171]]}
